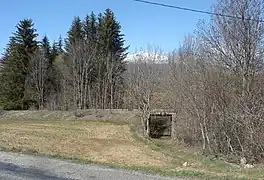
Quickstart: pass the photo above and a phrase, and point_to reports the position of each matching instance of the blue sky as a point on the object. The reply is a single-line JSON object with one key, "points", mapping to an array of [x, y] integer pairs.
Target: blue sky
{"points": [[142, 24]]}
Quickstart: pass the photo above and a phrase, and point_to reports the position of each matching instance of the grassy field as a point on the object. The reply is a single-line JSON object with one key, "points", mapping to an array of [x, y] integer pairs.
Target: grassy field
{"points": [[114, 145]]}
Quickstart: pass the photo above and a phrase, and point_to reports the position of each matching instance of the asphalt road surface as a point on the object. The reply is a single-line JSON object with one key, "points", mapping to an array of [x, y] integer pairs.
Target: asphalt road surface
{"points": [[14, 166]]}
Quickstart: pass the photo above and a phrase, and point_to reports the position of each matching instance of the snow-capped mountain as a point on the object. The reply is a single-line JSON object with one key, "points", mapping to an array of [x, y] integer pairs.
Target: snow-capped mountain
{"points": [[156, 57]]}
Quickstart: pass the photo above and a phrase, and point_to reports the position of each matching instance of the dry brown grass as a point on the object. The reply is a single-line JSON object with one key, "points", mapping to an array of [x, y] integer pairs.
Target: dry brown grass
{"points": [[109, 143], [91, 141]]}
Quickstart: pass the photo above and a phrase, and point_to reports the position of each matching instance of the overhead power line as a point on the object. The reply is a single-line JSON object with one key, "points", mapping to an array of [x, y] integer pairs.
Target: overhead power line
{"points": [[195, 10]]}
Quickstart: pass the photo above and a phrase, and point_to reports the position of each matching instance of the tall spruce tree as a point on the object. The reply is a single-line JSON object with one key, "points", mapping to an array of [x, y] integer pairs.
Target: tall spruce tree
{"points": [[90, 39], [45, 45], [75, 60], [55, 50], [75, 33], [114, 53], [60, 45], [15, 68], [54, 76], [49, 59], [90, 27]]}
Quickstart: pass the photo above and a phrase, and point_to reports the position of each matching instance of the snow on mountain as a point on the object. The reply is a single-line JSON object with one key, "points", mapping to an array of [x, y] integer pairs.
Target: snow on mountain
{"points": [[156, 57]]}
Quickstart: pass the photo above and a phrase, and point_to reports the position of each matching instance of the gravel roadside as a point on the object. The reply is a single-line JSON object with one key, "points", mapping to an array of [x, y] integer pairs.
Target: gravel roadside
{"points": [[16, 166]]}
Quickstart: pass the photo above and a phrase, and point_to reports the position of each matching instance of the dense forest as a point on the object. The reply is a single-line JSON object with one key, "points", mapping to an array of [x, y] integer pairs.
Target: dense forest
{"points": [[84, 71], [213, 82]]}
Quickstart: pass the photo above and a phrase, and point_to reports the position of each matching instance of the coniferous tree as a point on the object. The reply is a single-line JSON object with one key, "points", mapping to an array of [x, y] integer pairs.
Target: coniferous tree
{"points": [[96, 51], [55, 76], [75, 59], [75, 33], [87, 74], [60, 45], [50, 80], [45, 45], [54, 50], [90, 38], [114, 54], [8, 77], [16, 65]]}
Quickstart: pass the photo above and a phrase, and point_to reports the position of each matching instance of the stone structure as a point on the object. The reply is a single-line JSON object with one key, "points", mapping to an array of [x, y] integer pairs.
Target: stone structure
{"points": [[162, 123]]}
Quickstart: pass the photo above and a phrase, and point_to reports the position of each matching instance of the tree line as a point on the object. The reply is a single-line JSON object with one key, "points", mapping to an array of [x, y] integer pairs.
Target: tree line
{"points": [[84, 71]]}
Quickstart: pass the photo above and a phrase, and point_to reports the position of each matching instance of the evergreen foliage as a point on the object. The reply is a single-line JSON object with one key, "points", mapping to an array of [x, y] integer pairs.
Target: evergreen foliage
{"points": [[15, 65], [86, 73]]}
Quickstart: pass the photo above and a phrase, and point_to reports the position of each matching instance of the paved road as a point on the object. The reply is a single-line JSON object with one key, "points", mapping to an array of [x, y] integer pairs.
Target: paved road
{"points": [[15, 166]]}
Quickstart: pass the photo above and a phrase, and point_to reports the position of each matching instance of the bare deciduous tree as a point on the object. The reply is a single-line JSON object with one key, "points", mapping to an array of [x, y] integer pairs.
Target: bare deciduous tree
{"points": [[36, 79], [143, 80], [81, 55], [237, 44], [217, 82]]}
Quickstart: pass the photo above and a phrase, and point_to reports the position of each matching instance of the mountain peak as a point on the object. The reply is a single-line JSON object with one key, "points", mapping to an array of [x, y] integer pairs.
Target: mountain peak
{"points": [[148, 56]]}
